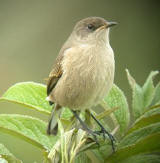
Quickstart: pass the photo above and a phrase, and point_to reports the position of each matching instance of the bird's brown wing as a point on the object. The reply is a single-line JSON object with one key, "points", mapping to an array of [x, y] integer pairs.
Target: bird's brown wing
{"points": [[57, 71], [55, 74]]}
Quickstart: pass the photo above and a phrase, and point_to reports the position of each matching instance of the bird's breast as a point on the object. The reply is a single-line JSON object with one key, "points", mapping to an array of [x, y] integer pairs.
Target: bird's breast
{"points": [[88, 73]]}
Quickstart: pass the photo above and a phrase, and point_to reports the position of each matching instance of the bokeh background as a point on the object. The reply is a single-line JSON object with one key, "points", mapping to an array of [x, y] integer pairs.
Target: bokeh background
{"points": [[33, 31]]}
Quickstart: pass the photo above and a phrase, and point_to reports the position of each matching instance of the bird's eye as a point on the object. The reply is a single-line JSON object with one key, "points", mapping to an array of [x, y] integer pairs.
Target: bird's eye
{"points": [[91, 26]]}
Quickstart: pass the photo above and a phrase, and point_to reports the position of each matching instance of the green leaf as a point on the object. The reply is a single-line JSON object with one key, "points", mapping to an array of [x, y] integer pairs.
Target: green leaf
{"points": [[71, 145], [152, 111], [141, 96], [30, 94], [156, 99], [102, 152], [28, 128], [9, 159], [66, 114], [137, 101], [149, 144], [143, 158], [145, 121], [148, 89], [82, 158], [6, 156], [137, 96], [139, 134], [149, 117], [4, 150], [105, 113], [117, 99]]}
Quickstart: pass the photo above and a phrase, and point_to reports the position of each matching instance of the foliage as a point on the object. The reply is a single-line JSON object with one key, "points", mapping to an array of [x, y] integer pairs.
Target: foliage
{"points": [[136, 141]]}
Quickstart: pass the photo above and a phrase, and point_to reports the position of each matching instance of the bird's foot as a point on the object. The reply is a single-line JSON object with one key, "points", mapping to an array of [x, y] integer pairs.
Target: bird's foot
{"points": [[93, 134], [105, 132]]}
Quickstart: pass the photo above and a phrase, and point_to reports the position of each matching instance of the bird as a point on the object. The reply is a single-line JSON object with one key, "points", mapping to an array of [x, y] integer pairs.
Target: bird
{"points": [[83, 72]]}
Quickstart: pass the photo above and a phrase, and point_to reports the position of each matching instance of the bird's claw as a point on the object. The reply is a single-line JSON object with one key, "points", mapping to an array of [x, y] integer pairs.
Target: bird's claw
{"points": [[104, 132], [111, 137]]}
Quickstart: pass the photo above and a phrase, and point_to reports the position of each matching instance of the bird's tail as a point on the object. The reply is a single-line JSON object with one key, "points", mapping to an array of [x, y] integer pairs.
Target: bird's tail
{"points": [[53, 122]]}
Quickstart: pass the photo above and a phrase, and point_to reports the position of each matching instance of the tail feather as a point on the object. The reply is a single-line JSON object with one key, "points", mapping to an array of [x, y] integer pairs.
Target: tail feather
{"points": [[53, 122]]}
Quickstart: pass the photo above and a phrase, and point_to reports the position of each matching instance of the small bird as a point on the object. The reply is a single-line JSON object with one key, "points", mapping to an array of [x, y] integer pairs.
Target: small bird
{"points": [[83, 72]]}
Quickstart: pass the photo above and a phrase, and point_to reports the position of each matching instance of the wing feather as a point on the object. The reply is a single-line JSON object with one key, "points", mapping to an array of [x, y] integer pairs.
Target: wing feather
{"points": [[54, 75]]}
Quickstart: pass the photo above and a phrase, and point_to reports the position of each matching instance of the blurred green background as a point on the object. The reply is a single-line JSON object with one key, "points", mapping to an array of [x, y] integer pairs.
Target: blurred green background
{"points": [[33, 31]]}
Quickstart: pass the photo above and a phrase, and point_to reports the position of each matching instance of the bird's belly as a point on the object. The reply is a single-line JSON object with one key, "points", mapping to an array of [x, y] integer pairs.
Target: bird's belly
{"points": [[86, 84]]}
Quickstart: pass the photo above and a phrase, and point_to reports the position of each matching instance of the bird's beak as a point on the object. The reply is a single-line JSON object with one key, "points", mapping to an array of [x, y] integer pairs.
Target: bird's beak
{"points": [[110, 24], [107, 25]]}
